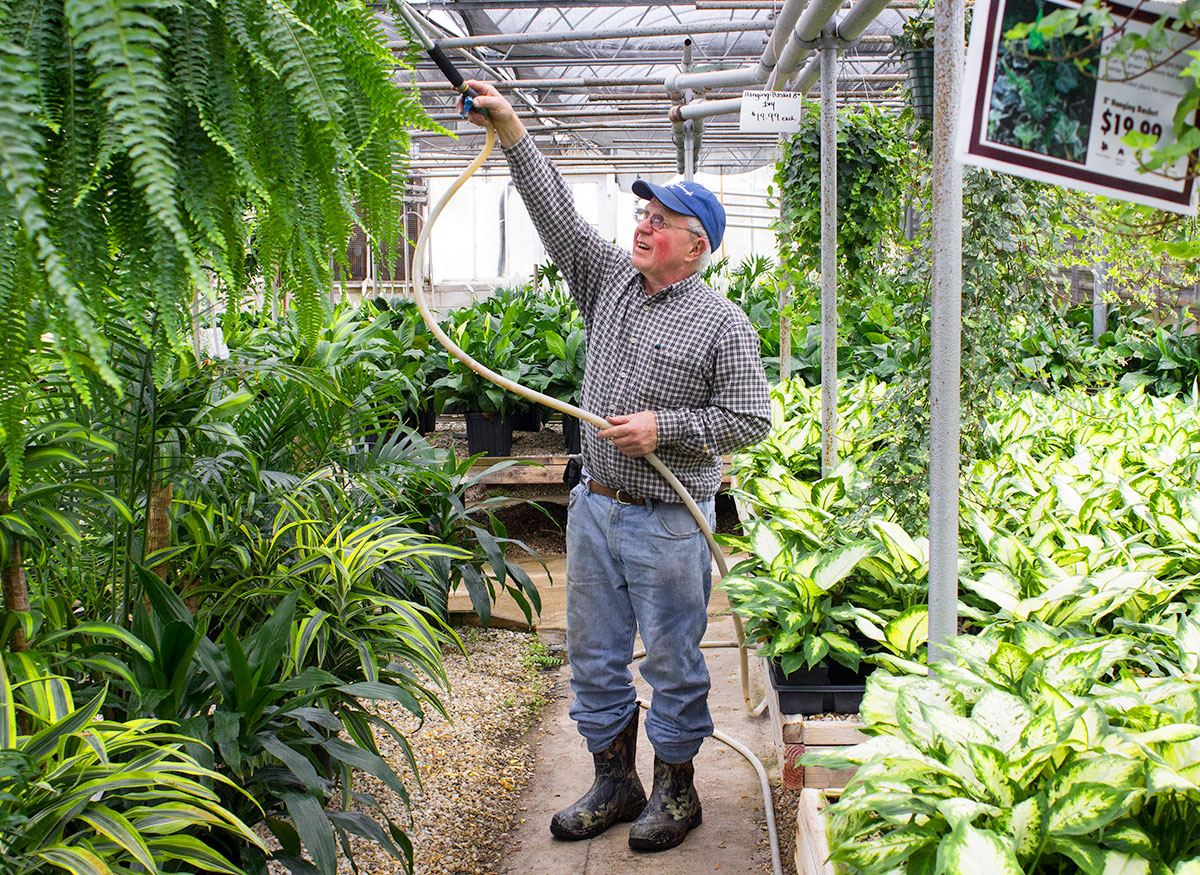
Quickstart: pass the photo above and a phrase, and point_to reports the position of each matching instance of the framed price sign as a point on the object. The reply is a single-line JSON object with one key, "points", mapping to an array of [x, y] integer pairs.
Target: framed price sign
{"points": [[1057, 111]]}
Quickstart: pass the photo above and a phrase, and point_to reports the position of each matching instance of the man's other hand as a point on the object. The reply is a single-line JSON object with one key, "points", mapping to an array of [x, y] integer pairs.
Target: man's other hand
{"points": [[634, 434]]}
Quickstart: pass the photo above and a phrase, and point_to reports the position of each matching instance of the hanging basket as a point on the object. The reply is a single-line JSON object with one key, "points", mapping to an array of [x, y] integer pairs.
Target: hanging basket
{"points": [[918, 65]]}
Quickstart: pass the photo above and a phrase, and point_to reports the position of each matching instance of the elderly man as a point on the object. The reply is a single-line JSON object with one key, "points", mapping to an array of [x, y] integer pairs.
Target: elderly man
{"points": [[675, 370]]}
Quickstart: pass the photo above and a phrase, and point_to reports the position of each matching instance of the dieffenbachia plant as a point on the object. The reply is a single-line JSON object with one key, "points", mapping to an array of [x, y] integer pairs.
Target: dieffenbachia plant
{"points": [[1030, 752]]}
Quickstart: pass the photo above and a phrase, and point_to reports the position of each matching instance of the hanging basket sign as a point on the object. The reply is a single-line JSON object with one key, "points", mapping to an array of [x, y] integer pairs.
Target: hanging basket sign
{"points": [[1062, 111], [770, 112]]}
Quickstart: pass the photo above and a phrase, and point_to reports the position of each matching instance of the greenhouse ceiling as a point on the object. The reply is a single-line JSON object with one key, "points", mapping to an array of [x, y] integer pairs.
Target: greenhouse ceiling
{"points": [[595, 82]]}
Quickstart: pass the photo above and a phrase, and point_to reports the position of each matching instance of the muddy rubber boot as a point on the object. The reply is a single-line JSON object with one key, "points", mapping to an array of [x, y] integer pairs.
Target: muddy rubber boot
{"points": [[673, 809], [616, 795]]}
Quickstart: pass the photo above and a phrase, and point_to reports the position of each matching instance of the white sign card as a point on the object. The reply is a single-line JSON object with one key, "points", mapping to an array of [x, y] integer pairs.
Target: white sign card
{"points": [[770, 112], [1046, 119]]}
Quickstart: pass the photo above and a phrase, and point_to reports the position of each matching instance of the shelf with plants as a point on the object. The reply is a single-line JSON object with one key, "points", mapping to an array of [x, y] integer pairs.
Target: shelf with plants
{"points": [[535, 338], [1082, 494]]}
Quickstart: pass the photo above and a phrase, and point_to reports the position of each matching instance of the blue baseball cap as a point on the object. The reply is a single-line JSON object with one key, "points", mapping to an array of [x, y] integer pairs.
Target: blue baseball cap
{"points": [[689, 199]]}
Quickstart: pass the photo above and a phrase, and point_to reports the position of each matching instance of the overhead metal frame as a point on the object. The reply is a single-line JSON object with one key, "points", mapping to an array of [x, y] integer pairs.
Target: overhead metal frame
{"points": [[553, 59]]}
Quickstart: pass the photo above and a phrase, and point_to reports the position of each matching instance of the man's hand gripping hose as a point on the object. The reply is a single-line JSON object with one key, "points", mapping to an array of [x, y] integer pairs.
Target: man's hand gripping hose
{"points": [[571, 410]]}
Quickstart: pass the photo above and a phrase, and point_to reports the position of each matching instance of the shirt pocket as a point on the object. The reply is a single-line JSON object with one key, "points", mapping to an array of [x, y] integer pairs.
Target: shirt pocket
{"points": [[677, 376]]}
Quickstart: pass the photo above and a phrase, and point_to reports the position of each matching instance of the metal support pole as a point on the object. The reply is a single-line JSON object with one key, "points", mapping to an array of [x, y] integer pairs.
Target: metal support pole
{"points": [[689, 126], [1100, 301], [829, 211], [946, 328]]}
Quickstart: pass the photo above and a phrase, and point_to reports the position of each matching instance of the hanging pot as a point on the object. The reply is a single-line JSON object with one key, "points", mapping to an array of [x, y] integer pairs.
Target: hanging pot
{"points": [[918, 65]]}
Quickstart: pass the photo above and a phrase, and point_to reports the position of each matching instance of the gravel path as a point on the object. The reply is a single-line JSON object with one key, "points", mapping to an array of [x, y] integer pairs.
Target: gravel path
{"points": [[473, 766]]}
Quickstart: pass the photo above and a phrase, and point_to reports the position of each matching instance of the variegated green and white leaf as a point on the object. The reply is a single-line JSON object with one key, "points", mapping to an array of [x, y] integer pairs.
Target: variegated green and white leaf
{"points": [[971, 851], [1086, 808]]}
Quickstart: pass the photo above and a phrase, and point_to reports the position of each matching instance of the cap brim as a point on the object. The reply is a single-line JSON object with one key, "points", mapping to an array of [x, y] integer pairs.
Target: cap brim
{"points": [[649, 190]]}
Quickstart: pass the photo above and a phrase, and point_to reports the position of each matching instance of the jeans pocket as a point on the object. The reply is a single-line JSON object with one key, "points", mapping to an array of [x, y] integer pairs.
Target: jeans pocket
{"points": [[573, 496], [675, 520]]}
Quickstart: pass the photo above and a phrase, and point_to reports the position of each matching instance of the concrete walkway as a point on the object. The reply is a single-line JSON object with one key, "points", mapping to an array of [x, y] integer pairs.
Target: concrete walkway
{"points": [[732, 838]]}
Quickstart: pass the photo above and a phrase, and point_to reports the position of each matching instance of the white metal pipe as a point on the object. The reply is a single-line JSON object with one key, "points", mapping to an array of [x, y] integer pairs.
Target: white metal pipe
{"points": [[565, 82], [755, 74], [807, 77], [1100, 300], [705, 108], [808, 28], [570, 36], [829, 250], [945, 328], [851, 25], [738, 77]]}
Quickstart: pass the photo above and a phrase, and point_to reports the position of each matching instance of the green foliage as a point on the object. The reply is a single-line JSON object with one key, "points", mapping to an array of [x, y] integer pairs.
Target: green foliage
{"points": [[1030, 752], [536, 339], [1081, 511], [262, 710], [149, 146], [873, 168], [82, 793]]}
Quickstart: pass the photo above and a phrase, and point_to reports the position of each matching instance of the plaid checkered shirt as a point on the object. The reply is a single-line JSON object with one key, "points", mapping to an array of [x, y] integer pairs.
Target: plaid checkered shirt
{"points": [[685, 352]]}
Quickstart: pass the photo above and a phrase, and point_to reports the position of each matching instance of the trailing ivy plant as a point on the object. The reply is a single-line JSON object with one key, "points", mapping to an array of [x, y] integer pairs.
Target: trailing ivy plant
{"points": [[873, 159]]}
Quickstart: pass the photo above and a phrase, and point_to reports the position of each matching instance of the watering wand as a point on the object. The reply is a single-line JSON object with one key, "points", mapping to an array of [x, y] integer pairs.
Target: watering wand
{"points": [[438, 57]]}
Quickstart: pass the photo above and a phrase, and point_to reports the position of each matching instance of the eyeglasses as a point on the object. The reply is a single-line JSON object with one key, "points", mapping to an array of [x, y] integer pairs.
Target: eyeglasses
{"points": [[657, 222]]}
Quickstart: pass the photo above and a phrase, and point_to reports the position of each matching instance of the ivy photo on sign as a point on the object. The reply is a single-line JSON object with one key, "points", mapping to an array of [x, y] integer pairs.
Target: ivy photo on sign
{"points": [[1096, 98], [1040, 104]]}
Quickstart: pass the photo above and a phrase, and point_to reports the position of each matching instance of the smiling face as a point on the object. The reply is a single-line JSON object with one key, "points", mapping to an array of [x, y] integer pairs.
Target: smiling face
{"points": [[668, 255]]}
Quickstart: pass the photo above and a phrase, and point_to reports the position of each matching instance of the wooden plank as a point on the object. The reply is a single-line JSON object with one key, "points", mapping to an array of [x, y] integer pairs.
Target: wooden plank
{"points": [[822, 778], [798, 729], [542, 470], [812, 841]]}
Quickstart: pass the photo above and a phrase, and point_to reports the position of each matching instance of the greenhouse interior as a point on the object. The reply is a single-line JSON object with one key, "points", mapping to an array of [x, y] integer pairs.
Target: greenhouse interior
{"points": [[499, 436]]}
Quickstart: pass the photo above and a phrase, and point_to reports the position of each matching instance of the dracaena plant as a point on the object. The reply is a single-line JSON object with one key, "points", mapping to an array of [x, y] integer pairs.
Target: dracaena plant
{"points": [[85, 794], [1031, 751]]}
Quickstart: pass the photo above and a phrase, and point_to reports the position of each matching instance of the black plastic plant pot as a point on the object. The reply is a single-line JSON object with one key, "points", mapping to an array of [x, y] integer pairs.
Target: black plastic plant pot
{"points": [[918, 64], [490, 434], [572, 435], [527, 418], [823, 689], [423, 421]]}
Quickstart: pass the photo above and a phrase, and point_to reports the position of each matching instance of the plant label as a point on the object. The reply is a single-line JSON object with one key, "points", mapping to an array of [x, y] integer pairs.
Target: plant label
{"points": [[1084, 110]]}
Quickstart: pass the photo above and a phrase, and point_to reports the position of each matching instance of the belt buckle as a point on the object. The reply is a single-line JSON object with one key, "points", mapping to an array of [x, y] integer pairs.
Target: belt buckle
{"points": [[623, 497]]}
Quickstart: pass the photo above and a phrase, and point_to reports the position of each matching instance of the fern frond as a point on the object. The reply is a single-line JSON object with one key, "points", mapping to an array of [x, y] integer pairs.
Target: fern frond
{"points": [[20, 172], [125, 43]]}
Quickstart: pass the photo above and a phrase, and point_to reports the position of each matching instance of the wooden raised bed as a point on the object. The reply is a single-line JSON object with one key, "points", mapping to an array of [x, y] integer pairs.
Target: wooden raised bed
{"points": [[795, 735], [812, 840]]}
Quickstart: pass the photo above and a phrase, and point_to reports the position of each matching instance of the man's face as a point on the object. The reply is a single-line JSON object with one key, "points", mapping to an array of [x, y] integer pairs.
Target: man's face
{"points": [[667, 250]]}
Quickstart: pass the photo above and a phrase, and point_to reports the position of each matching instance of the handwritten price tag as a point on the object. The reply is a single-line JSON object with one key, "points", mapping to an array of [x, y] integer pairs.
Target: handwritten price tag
{"points": [[774, 112]]}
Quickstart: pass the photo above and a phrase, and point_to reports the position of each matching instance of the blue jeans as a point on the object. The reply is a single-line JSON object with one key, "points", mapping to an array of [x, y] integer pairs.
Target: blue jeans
{"points": [[631, 568]]}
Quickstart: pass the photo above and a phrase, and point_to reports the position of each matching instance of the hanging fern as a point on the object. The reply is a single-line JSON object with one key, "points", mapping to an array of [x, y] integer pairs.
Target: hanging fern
{"points": [[148, 147]]}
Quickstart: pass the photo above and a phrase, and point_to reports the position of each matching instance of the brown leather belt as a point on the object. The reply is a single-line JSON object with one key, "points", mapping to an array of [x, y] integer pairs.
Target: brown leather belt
{"points": [[620, 495]]}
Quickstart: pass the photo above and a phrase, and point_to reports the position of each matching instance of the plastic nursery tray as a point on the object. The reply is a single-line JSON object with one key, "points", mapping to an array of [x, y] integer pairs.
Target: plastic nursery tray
{"points": [[815, 695]]}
